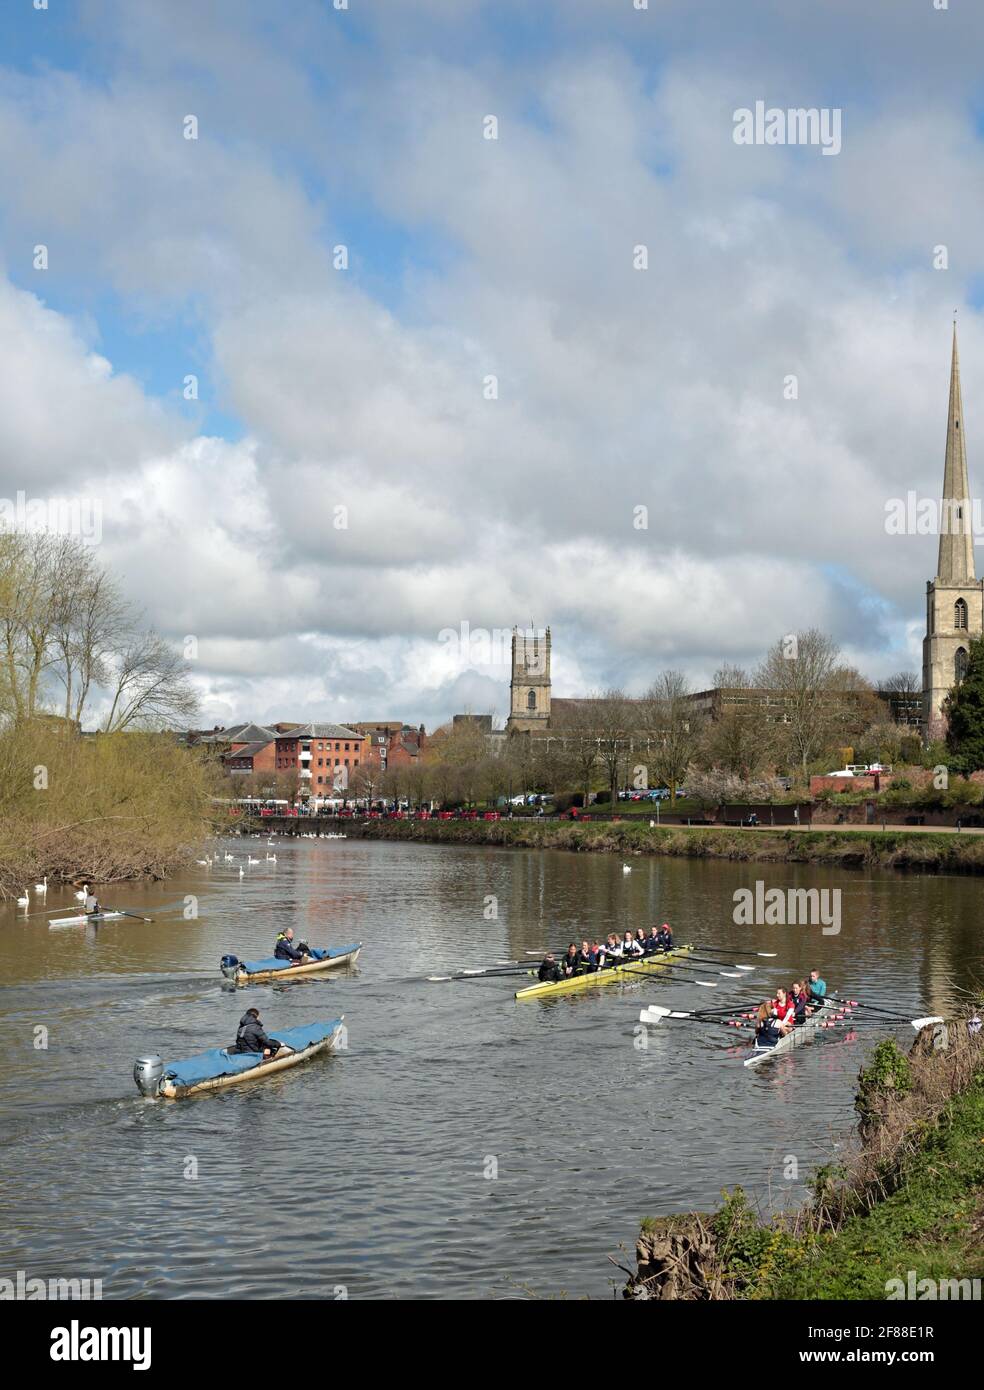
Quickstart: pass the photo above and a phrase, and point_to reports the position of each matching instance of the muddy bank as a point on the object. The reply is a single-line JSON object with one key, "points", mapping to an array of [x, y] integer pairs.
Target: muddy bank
{"points": [[903, 1210], [890, 849]]}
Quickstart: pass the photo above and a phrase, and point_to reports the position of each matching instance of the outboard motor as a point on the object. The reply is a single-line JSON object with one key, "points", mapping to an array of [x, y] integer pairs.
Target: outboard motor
{"points": [[230, 966], [147, 1073]]}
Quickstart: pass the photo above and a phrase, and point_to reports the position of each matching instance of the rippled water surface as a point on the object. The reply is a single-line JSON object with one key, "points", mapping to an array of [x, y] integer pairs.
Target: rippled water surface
{"points": [[367, 1171]]}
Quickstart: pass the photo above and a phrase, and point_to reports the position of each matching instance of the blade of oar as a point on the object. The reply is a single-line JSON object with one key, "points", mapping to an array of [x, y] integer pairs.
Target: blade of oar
{"points": [[135, 915]]}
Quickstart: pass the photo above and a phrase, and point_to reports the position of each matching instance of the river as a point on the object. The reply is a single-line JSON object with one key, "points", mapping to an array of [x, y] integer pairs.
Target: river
{"points": [[464, 1145]]}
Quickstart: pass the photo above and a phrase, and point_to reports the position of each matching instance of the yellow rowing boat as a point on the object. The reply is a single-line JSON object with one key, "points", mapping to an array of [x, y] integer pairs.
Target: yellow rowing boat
{"points": [[645, 965]]}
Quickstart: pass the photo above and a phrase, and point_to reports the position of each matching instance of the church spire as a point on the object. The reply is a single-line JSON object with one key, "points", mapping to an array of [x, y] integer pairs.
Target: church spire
{"points": [[956, 562]]}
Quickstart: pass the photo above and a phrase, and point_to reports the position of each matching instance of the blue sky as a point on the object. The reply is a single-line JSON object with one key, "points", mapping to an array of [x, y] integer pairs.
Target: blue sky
{"points": [[472, 259]]}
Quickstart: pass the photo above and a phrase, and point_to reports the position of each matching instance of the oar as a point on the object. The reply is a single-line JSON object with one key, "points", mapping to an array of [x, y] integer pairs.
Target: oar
{"points": [[464, 975], [135, 915], [917, 1023], [723, 951], [656, 1014]]}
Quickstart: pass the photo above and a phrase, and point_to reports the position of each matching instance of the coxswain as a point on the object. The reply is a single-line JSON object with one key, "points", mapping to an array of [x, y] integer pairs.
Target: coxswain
{"points": [[817, 988], [284, 948], [571, 964], [767, 1032], [549, 971]]}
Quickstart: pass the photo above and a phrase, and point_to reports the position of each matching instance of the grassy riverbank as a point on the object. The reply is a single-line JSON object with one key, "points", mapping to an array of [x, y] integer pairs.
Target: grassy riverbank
{"points": [[894, 849], [117, 806], [907, 1205]]}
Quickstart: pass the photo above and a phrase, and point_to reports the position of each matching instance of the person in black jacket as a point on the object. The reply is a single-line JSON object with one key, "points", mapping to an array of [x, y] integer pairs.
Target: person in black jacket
{"points": [[284, 948], [252, 1038]]}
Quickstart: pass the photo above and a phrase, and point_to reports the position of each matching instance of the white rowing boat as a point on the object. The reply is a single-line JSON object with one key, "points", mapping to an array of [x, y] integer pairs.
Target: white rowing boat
{"points": [[80, 919], [798, 1035]]}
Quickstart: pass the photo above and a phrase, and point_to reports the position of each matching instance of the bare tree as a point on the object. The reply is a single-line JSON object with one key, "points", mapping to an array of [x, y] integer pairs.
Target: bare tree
{"points": [[673, 726], [150, 686], [819, 698], [737, 739], [614, 721]]}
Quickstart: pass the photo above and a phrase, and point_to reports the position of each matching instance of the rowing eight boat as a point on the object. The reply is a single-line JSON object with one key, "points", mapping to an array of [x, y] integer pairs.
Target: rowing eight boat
{"points": [[798, 1035], [611, 975]]}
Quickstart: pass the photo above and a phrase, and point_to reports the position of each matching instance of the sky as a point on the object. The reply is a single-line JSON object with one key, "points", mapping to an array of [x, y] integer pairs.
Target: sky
{"points": [[484, 412]]}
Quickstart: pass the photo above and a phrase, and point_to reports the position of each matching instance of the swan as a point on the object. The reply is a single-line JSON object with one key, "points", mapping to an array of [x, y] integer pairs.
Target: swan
{"points": [[205, 863], [229, 858], [24, 901], [626, 868], [42, 888], [81, 896], [242, 871], [271, 859], [251, 861]]}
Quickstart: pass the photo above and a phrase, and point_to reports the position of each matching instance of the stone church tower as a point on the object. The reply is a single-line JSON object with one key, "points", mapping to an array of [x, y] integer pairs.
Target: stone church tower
{"points": [[955, 598], [529, 684]]}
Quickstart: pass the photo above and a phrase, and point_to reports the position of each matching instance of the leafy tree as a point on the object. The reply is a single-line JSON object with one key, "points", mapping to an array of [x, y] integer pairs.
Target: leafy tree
{"points": [[963, 710]]}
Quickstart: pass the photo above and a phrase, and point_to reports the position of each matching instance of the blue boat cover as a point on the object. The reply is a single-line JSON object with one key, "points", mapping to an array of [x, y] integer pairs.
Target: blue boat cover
{"points": [[218, 1062], [254, 967]]}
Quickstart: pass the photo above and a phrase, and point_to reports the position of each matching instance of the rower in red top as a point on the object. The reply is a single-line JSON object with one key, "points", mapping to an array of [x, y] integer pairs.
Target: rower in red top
{"points": [[785, 1012]]}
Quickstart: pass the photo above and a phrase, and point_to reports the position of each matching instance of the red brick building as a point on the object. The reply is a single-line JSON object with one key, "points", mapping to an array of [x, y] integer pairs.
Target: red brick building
{"points": [[324, 755], [392, 743]]}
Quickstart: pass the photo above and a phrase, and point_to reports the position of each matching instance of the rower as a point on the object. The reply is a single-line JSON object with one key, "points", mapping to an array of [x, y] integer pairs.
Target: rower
{"points": [[640, 938], [613, 947], [817, 988], [653, 946], [800, 1001], [588, 957], [785, 1013], [570, 965], [91, 904], [665, 937], [630, 947], [549, 971], [284, 948], [252, 1038]]}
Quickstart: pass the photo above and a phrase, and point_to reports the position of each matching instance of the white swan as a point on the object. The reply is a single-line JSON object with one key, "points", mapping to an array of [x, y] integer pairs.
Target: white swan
{"points": [[24, 901], [251, 861], [242, 871], [626, 868], [81, 896], [42, 888], [271, 859]]}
